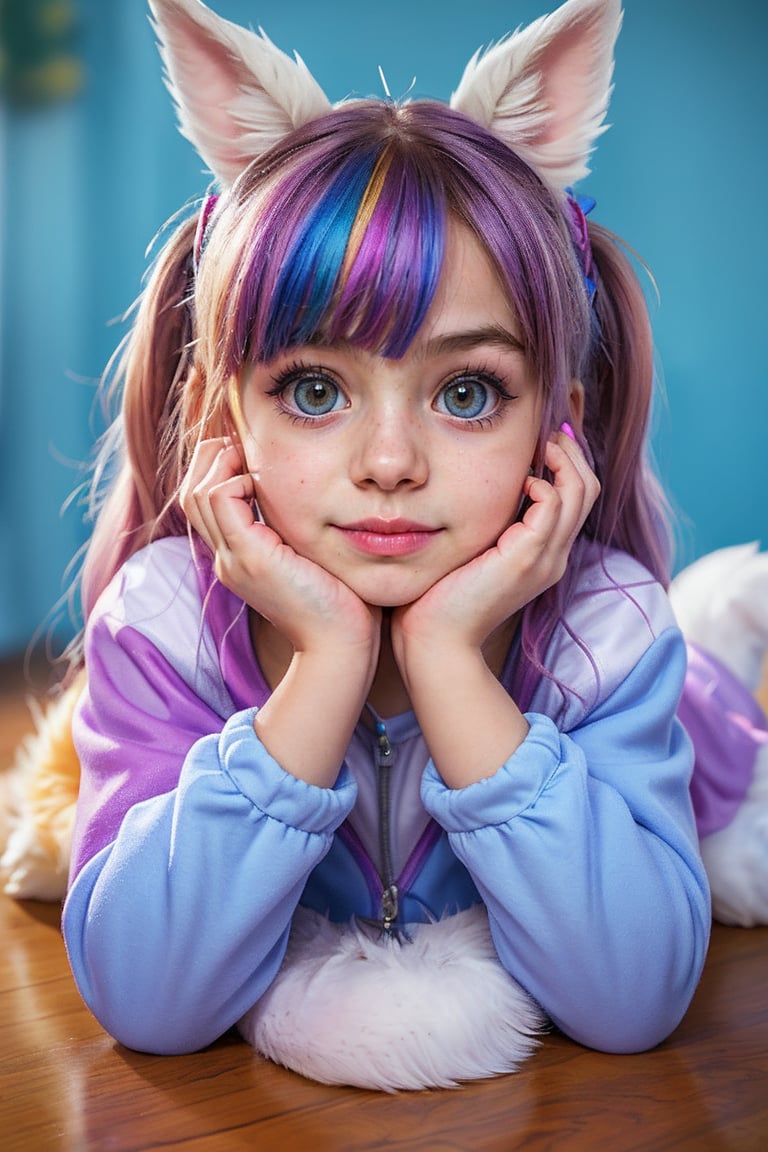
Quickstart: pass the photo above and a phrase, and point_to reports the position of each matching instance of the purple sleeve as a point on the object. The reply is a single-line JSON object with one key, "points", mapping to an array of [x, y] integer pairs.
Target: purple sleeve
{"points": [[727, 727], [133, 727]]}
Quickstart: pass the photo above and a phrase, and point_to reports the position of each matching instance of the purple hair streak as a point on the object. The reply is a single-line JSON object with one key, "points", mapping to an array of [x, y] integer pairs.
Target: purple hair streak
{"points": [[347, 244]]}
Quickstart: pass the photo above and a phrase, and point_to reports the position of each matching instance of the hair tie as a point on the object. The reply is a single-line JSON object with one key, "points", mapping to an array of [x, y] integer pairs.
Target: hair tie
{"points": [[203, 230], [579, 208]]}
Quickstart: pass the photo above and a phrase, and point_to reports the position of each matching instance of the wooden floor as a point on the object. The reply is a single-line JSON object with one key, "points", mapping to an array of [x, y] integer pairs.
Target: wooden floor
{"points": [[65, 1085]]}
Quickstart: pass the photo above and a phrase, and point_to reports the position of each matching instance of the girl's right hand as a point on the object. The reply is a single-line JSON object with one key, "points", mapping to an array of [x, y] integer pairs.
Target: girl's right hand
{"points": [[307, 722], [301, 599]]}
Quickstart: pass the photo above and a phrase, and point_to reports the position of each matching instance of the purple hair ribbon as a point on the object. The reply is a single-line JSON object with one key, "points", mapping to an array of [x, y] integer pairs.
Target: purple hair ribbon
{"points": [[579, 208], [204, 226]]}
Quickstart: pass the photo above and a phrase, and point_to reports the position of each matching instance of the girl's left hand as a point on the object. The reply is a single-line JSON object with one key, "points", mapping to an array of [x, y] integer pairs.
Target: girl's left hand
{"points": [[443, 633], [470, 603]]}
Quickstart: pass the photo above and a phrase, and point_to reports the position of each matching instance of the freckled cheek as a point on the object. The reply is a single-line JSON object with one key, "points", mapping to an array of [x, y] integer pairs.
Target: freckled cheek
{"points": [[488, 500], [290, 493]]}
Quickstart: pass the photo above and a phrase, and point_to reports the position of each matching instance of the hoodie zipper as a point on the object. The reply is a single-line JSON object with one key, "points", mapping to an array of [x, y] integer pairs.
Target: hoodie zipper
{"points": [[384, 761]]}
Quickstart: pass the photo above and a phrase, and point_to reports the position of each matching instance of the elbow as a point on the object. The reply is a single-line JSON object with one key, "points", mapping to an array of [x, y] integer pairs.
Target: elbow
{"points": [[141, 1015], [636, 1012], [628, 1035], [148, 1037], [148, 1021], [144, 1024]]}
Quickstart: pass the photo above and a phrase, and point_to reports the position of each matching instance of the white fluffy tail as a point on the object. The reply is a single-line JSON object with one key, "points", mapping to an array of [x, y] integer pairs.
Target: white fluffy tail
{"points": [[736, 857], [348, 1008], [721, 603]]}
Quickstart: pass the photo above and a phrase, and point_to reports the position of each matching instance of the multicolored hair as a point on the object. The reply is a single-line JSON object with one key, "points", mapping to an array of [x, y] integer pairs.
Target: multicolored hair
{"points": [[339, 232]]}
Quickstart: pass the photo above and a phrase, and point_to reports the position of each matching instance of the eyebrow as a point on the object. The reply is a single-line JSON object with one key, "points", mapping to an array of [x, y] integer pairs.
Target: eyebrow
{"points": [[493, 334], [488, 334]]}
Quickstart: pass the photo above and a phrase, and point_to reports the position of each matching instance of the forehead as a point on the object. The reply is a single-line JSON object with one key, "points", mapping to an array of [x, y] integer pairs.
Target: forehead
{"points": [[470, 295]]}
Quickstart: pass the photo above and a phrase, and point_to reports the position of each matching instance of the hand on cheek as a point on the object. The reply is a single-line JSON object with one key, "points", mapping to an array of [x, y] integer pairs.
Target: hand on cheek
{"points": [[444, 631], [308, 605], [470, 603]]}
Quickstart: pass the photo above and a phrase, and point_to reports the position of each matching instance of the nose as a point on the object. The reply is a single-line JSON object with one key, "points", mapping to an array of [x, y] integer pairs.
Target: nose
{"points": [[392, 449]]}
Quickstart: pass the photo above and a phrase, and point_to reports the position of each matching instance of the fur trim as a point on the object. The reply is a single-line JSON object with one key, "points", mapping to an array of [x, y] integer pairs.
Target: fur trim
{"points": [[42, 792], [350, 1008], [736, 857], [236, 94], [545, 89]]}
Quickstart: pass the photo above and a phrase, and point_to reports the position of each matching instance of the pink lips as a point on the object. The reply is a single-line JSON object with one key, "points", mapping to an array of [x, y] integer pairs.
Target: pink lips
{"points": [[388, 537]]}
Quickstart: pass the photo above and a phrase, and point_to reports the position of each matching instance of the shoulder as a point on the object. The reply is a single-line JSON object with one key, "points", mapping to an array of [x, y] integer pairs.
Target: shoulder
{"points": [[616, 613], [162, 601], [615, 586], [158, 579]]}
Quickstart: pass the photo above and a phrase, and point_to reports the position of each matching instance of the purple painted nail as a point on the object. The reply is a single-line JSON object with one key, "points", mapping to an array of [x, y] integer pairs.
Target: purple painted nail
{"points": [[565, 427]]}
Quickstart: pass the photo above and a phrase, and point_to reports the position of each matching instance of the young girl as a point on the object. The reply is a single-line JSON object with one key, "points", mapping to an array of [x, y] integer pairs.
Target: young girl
{"points": [[378, 653]]}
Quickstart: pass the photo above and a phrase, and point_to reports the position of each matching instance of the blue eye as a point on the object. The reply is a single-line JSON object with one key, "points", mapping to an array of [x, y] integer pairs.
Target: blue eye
{"points": [[316, 396], [468, 398], [310, 393]]}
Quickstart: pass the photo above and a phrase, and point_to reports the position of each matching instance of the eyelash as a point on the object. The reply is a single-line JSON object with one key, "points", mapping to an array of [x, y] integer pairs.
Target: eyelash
{"points": [[298, 371]]}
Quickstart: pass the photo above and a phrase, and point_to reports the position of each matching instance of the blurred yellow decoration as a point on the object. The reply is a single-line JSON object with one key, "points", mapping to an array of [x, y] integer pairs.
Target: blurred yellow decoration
{"points": [[39, 51]]}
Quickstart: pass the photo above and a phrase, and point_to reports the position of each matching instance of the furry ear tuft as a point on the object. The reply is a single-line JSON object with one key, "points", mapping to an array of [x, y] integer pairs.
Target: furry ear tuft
{"points": [[236, 94], [545, 89]]}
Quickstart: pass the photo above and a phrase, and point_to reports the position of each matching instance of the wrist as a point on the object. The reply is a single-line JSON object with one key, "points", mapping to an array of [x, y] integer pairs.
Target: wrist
{"points": [[307, 722], [470, 733]]}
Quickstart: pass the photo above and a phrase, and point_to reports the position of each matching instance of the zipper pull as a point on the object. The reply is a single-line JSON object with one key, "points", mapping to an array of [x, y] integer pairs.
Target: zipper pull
{"points": [[389, 907], [385, 748]]}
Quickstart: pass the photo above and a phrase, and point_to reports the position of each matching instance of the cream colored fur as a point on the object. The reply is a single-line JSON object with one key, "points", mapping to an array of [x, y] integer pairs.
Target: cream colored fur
{"points": [[41, 792]]}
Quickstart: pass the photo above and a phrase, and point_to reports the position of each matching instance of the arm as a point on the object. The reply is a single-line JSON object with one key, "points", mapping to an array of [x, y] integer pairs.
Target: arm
{"points": [[176, 928], [333, 637], [584, 849], [178, 921], [178, 925]]}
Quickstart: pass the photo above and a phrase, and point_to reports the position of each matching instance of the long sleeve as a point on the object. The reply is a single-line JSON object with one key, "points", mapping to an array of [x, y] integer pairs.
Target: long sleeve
{"points": [[192, 845], [583, 847], [176, 928]]}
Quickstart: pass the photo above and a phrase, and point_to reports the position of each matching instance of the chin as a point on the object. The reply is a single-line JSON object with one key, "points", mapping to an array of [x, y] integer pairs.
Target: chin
{"points": [[388, 598]]}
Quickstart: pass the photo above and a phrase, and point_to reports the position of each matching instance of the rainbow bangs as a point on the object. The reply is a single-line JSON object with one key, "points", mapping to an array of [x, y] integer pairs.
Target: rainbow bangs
{"points": [[357, 259]]}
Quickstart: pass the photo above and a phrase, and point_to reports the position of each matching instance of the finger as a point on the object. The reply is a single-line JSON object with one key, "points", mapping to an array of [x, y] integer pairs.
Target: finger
{"points": [[231, 508], [573, 480], [213, 463], [555, 516], [205, 454], [567, 444]]}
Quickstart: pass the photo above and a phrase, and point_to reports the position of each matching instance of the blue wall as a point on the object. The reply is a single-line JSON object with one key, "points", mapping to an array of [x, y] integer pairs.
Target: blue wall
{"points": [[681, 176]]}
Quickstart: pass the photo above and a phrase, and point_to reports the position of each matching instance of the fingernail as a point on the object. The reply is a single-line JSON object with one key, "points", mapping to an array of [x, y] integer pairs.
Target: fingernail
{"points": [[565, 427]]}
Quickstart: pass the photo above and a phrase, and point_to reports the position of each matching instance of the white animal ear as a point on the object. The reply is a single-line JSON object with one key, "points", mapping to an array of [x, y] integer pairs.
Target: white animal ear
{"points": [[544, 90], [236, 94]]}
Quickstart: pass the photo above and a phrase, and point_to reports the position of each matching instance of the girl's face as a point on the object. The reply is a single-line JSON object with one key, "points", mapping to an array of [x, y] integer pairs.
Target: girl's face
{"points": [[392, 473]]}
